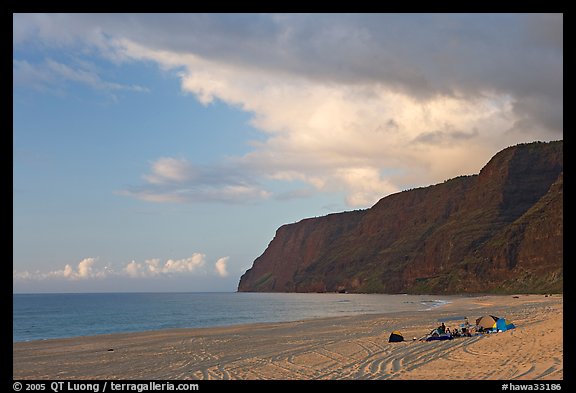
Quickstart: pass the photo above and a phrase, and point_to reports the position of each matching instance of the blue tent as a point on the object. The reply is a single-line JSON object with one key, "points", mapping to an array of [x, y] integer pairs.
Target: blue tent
{"points": [[502, 326]]}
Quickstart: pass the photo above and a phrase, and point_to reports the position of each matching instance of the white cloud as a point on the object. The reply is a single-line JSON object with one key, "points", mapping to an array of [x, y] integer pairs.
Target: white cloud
{"points": [[359, 139], [154, 267], [84, 270], [177, 180], [184, 265], [365, 185], [133, 269], [25, 275], [167, 169], [221, 266], [151, 268]]}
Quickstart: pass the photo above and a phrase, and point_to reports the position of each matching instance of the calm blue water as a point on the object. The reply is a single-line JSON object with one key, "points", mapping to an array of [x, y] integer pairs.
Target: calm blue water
{"points": [[44, 316]]}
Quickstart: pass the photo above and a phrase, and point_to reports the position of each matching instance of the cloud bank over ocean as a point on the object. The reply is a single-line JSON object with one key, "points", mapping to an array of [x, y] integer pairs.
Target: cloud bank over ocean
{"points": [[90, 268]]}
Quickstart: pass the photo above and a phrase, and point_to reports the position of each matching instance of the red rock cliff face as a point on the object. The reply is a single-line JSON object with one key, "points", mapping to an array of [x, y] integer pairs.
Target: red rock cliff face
{"points": [[293, 249], [499, 231]]}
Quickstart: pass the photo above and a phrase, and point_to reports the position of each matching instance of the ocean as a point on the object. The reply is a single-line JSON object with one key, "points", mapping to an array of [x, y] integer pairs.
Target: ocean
{"points": [[46, 316]]}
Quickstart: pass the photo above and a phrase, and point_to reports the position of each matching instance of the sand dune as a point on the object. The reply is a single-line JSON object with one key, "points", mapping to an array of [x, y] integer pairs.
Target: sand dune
{"points": [[332, 348]]}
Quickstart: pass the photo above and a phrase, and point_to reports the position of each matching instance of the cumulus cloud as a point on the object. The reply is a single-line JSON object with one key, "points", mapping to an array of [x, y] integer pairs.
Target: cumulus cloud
{"points": [[155, 267], [150, 268], [84, 270], [133, 269], [355, 139], [221, 267], [355, 103]]}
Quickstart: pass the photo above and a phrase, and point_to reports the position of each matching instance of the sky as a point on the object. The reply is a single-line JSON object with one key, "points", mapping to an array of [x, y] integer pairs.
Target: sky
{"points": [[160, 152]]}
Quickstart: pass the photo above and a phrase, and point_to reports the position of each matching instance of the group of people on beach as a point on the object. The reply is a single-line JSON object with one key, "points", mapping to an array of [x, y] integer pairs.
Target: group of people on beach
{"points": [[464, 331]]}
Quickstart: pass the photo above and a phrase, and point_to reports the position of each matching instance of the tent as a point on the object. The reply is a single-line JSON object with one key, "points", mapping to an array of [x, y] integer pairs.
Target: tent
{"points": [[396, 337], [487, 321], [502, 326]]}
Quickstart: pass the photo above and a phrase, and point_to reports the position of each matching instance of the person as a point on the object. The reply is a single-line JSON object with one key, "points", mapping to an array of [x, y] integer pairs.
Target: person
{"points": [[455, 333], [448, 331], [442, 328], [466, 327]]}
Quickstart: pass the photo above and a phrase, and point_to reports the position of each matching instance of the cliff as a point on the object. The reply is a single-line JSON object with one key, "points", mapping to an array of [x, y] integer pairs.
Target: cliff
{"points": [[500, 231]]}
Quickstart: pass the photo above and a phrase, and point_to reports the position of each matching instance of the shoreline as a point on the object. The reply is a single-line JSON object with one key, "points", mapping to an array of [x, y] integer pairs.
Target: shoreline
{"points": [[342, 347]]}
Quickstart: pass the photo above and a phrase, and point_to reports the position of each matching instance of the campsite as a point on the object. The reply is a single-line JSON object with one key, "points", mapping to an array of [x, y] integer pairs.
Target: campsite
{"points": [[486, 324]]}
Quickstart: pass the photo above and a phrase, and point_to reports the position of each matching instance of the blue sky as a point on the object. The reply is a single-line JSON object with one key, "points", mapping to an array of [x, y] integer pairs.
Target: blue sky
{"points": [[161, 152]]}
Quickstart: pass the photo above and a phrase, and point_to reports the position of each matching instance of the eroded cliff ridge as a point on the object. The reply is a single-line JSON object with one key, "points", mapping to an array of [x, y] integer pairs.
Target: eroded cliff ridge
{"points": [[498, 231]]}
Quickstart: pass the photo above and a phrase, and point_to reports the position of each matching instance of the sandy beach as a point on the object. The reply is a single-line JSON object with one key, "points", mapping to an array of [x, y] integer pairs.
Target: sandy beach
{"points": [[332, 348]]}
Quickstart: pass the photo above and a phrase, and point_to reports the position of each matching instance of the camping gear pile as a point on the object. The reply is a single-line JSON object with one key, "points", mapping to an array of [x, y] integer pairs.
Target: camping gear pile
{"points": [[439, 334], [439, 337]]}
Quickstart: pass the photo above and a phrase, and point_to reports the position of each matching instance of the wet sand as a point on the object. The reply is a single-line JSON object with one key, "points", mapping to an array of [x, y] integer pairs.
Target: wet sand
{"points": [[353, 348]]}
